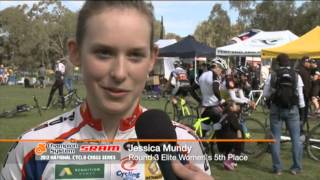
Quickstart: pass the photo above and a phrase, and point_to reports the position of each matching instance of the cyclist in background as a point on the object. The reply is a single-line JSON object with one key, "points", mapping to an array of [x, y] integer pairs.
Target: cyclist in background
{"points": [[237, 86], [209, 83], [182, 83]]}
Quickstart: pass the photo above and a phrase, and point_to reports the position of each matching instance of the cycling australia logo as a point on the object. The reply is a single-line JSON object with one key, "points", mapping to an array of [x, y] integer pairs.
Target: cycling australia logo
{"points": [[40, 149], [128, 164], [127, 168]]}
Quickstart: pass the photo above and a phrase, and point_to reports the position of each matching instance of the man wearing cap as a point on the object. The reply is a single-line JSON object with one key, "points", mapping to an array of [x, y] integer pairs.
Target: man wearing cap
{"points": [[304, 72]]}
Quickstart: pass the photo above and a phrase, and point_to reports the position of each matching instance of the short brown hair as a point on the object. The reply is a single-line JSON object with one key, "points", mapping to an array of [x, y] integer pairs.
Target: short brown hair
{"points": [[91, 8], [283, 59]]}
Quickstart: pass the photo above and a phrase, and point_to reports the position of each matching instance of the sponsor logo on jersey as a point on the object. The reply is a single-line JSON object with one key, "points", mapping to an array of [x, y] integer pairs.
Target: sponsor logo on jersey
{"points": [[99, 148], [83, 171], [40, 149], [128, 164], [128, 175], [152, 170]]}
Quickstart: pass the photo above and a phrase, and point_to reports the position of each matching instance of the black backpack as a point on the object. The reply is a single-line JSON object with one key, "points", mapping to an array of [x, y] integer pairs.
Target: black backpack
{"points": [[283, 84]]}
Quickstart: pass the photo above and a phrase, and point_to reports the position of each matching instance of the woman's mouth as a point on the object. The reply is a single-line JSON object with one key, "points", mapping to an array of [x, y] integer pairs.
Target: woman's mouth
{"points": [[116, 92]]}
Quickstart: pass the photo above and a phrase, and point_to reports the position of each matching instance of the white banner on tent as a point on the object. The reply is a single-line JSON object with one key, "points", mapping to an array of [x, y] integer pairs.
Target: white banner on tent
{"points": [[253, 45]]}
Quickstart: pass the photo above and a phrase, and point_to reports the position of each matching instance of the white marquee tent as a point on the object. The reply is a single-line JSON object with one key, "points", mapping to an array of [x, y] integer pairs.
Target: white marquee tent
{"points": [[252, 46], [164, 65]]}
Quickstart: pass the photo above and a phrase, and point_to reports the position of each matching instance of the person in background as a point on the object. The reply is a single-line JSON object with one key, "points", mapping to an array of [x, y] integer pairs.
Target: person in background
{"points": [[230, 129], [254, 76], [315, 86], [115, 49], [1, 74], [284, 88], [58, 84], [210, 83], [68, 75], [191, 73], [304, 71], [42, 76], [182, 83]]}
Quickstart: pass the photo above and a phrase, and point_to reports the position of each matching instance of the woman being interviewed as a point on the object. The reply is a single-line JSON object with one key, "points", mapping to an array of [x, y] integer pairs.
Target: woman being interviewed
{"points": [[114, 48]]}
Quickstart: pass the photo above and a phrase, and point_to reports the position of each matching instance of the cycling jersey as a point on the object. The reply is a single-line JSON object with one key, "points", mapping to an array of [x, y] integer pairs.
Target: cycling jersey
{"points": [[206, 83], [79, 124], [182, 84], [180, 76]]}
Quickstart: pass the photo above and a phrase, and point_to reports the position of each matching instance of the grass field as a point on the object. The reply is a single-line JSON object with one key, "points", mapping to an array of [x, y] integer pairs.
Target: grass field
{"points": [[252, 169]]}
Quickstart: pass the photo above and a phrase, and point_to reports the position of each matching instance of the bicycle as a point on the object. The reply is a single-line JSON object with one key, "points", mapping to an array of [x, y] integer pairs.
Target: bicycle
{"points": [[260, 101], [182, 111], [254, 130], [71, 99], [313, 142], [21, 108]]}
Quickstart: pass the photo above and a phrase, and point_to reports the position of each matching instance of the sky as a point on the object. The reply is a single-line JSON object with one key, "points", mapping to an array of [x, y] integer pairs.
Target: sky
{"points": [[179, 17]]}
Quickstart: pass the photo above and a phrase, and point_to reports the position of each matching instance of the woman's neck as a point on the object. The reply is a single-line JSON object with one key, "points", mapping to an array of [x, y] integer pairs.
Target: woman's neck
{"points": [[110, 121]]}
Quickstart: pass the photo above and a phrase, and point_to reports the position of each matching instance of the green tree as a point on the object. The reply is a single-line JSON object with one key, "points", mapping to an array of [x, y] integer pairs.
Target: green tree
{"points": [[274, 15], [157, 30], [37, 34], [246, 10], [172, 36], [307, 17], [216, 31]]}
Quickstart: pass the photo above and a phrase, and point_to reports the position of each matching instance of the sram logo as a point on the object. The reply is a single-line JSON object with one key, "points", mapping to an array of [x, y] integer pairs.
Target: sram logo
{"points": [[99, 148]]}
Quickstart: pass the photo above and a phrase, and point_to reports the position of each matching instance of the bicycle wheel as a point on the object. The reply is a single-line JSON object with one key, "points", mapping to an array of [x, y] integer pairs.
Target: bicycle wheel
{"points": [[210, 146], [186, 119], [257, 131], [313, 143], [170, 109], [10, 114], [264, 107]]}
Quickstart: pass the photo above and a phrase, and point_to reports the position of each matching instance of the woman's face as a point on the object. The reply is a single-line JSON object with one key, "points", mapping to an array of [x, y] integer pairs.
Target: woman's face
{"points": [[116, 59]]}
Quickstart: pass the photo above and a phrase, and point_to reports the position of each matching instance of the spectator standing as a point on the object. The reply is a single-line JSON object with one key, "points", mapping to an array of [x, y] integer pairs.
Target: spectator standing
{"points": [[58, 84], [315, 87], [1, 74], [254, 74], [305, 73], [191, 73], [42, 76], [284, 88], [68, 75]]}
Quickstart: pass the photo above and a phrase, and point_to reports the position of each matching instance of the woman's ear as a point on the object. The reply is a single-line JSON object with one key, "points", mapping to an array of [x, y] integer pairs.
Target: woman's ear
{"points": [[74, 53], [154, 56]]}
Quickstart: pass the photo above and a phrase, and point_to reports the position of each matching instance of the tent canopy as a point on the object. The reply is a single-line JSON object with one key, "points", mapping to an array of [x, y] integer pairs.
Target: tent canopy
{"points": [[306, 45], [165, 42], [252, 46], [188, 47]]}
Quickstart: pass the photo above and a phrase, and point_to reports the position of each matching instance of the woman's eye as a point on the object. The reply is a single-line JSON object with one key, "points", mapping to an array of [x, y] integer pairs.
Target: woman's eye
{"points": [[136, 57], [103, 54]]}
